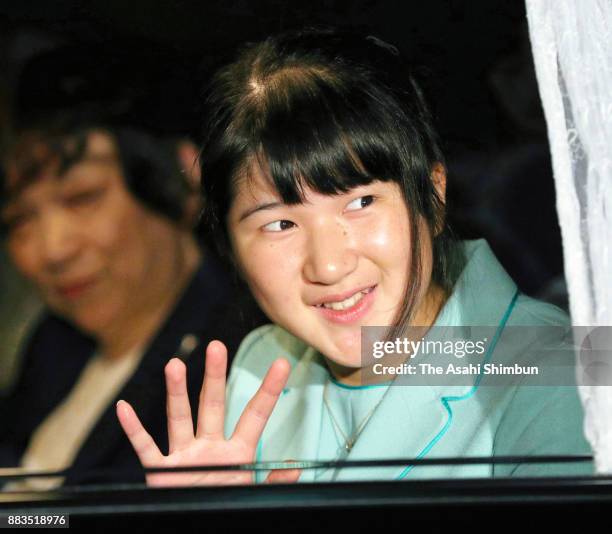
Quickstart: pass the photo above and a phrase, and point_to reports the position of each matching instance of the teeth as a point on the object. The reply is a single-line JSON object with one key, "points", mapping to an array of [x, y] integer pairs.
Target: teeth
{"points": [[347, 303]]}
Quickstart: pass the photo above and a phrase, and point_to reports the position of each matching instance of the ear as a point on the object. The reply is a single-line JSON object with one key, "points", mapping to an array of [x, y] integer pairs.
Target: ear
{"points": [[187, 155], [438, 177]]}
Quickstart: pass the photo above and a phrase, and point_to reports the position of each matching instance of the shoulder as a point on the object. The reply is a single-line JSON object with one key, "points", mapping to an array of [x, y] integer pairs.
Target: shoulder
{"points": [[53, 354], [536, 329], [532, 312], [50, 338], [538, 333]]}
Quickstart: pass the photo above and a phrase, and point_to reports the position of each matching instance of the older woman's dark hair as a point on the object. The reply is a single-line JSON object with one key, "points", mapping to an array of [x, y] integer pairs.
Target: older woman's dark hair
{"points": [[330, 111], [150, 165]]}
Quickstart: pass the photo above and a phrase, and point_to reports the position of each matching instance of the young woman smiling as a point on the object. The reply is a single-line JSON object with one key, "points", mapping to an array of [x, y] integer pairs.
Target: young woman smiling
{"points": [[325, 184]]}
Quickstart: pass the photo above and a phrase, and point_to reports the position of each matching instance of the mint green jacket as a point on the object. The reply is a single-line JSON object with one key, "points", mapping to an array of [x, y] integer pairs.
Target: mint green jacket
{"points": [[433, 420]]}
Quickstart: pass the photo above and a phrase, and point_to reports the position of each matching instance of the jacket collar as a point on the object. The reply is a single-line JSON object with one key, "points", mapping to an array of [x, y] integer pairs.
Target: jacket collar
{"points": [[482, 292], [145, 390], [483, 296]]}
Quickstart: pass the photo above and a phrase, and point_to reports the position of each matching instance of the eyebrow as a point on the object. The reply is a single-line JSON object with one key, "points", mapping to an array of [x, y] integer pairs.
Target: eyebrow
{"points": [[14, 194], [260, 207]]}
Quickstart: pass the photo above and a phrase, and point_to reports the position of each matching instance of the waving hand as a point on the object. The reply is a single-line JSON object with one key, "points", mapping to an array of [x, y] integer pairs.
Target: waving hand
{"points": [[207, 445]]}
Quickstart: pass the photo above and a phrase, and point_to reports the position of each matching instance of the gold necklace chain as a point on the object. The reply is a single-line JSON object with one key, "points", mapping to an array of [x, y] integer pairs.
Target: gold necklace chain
{"points": [[349, 441]]}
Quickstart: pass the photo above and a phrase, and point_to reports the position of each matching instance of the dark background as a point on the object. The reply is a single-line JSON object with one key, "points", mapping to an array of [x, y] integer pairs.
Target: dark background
{"points": [[148, 62], [158, 53]]}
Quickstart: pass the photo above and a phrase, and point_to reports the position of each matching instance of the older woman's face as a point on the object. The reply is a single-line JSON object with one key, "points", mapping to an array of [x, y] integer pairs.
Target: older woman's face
{"points": [[90, 247], [324, 268]]}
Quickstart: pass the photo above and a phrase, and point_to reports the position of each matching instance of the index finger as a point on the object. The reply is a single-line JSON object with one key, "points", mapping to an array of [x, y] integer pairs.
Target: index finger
{"points": [[257, 412]]}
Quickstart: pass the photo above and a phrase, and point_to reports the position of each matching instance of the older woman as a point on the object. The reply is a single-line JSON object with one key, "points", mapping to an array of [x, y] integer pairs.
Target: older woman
{"points": [[100, 220]]}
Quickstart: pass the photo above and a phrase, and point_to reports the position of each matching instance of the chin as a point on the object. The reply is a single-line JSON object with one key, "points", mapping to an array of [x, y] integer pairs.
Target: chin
{"points": [[91, 323], [90, 318], [348, 358]]}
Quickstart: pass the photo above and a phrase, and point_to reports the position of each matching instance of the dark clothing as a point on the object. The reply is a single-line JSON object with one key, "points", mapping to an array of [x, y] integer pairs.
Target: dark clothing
{"points": [[210, 308]]}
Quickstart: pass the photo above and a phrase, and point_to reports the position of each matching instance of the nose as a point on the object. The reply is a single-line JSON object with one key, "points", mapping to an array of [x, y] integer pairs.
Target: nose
{"points": [[58, 240], [331, 254]]}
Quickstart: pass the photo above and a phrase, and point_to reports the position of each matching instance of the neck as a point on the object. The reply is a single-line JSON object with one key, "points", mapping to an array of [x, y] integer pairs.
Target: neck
{"points": [[134, 330], [425, 316]]}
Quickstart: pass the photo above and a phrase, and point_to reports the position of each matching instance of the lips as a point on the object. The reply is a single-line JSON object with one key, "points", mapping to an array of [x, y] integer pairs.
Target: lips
{"points": [[74, 289], [339, 297], [350, 315]]}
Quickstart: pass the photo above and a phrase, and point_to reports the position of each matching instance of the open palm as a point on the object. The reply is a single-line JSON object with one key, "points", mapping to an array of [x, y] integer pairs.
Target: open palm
{"points": [[207, 446]]}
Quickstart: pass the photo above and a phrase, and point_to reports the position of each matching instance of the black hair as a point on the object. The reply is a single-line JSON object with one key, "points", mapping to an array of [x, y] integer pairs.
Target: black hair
{"points": [[149, 165], [327, 110]]}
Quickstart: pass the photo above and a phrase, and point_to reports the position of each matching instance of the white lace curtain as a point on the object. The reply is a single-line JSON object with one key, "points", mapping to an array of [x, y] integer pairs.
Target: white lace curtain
{"points": [[572, 48]]}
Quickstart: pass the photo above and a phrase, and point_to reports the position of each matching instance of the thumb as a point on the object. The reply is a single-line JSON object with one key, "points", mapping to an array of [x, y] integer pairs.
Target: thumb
{"points": [[284, 476]]}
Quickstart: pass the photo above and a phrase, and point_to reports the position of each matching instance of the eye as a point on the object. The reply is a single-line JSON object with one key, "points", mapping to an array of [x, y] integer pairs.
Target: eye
{"points": [[82, 198], [278, 226], [360, 203], [17, 221]]}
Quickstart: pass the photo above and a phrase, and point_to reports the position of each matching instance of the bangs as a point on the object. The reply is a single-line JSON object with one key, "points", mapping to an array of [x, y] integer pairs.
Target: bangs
{"points": [[320, 136]]}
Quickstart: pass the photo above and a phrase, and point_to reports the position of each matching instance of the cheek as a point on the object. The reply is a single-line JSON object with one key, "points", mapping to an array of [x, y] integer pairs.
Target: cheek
{"points": [[122, 240], [272, 273], [387, 242], [23, 255]]}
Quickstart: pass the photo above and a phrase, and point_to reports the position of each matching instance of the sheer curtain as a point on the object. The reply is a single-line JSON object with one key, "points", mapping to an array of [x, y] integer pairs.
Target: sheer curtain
{"points": [[572, 48]]}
